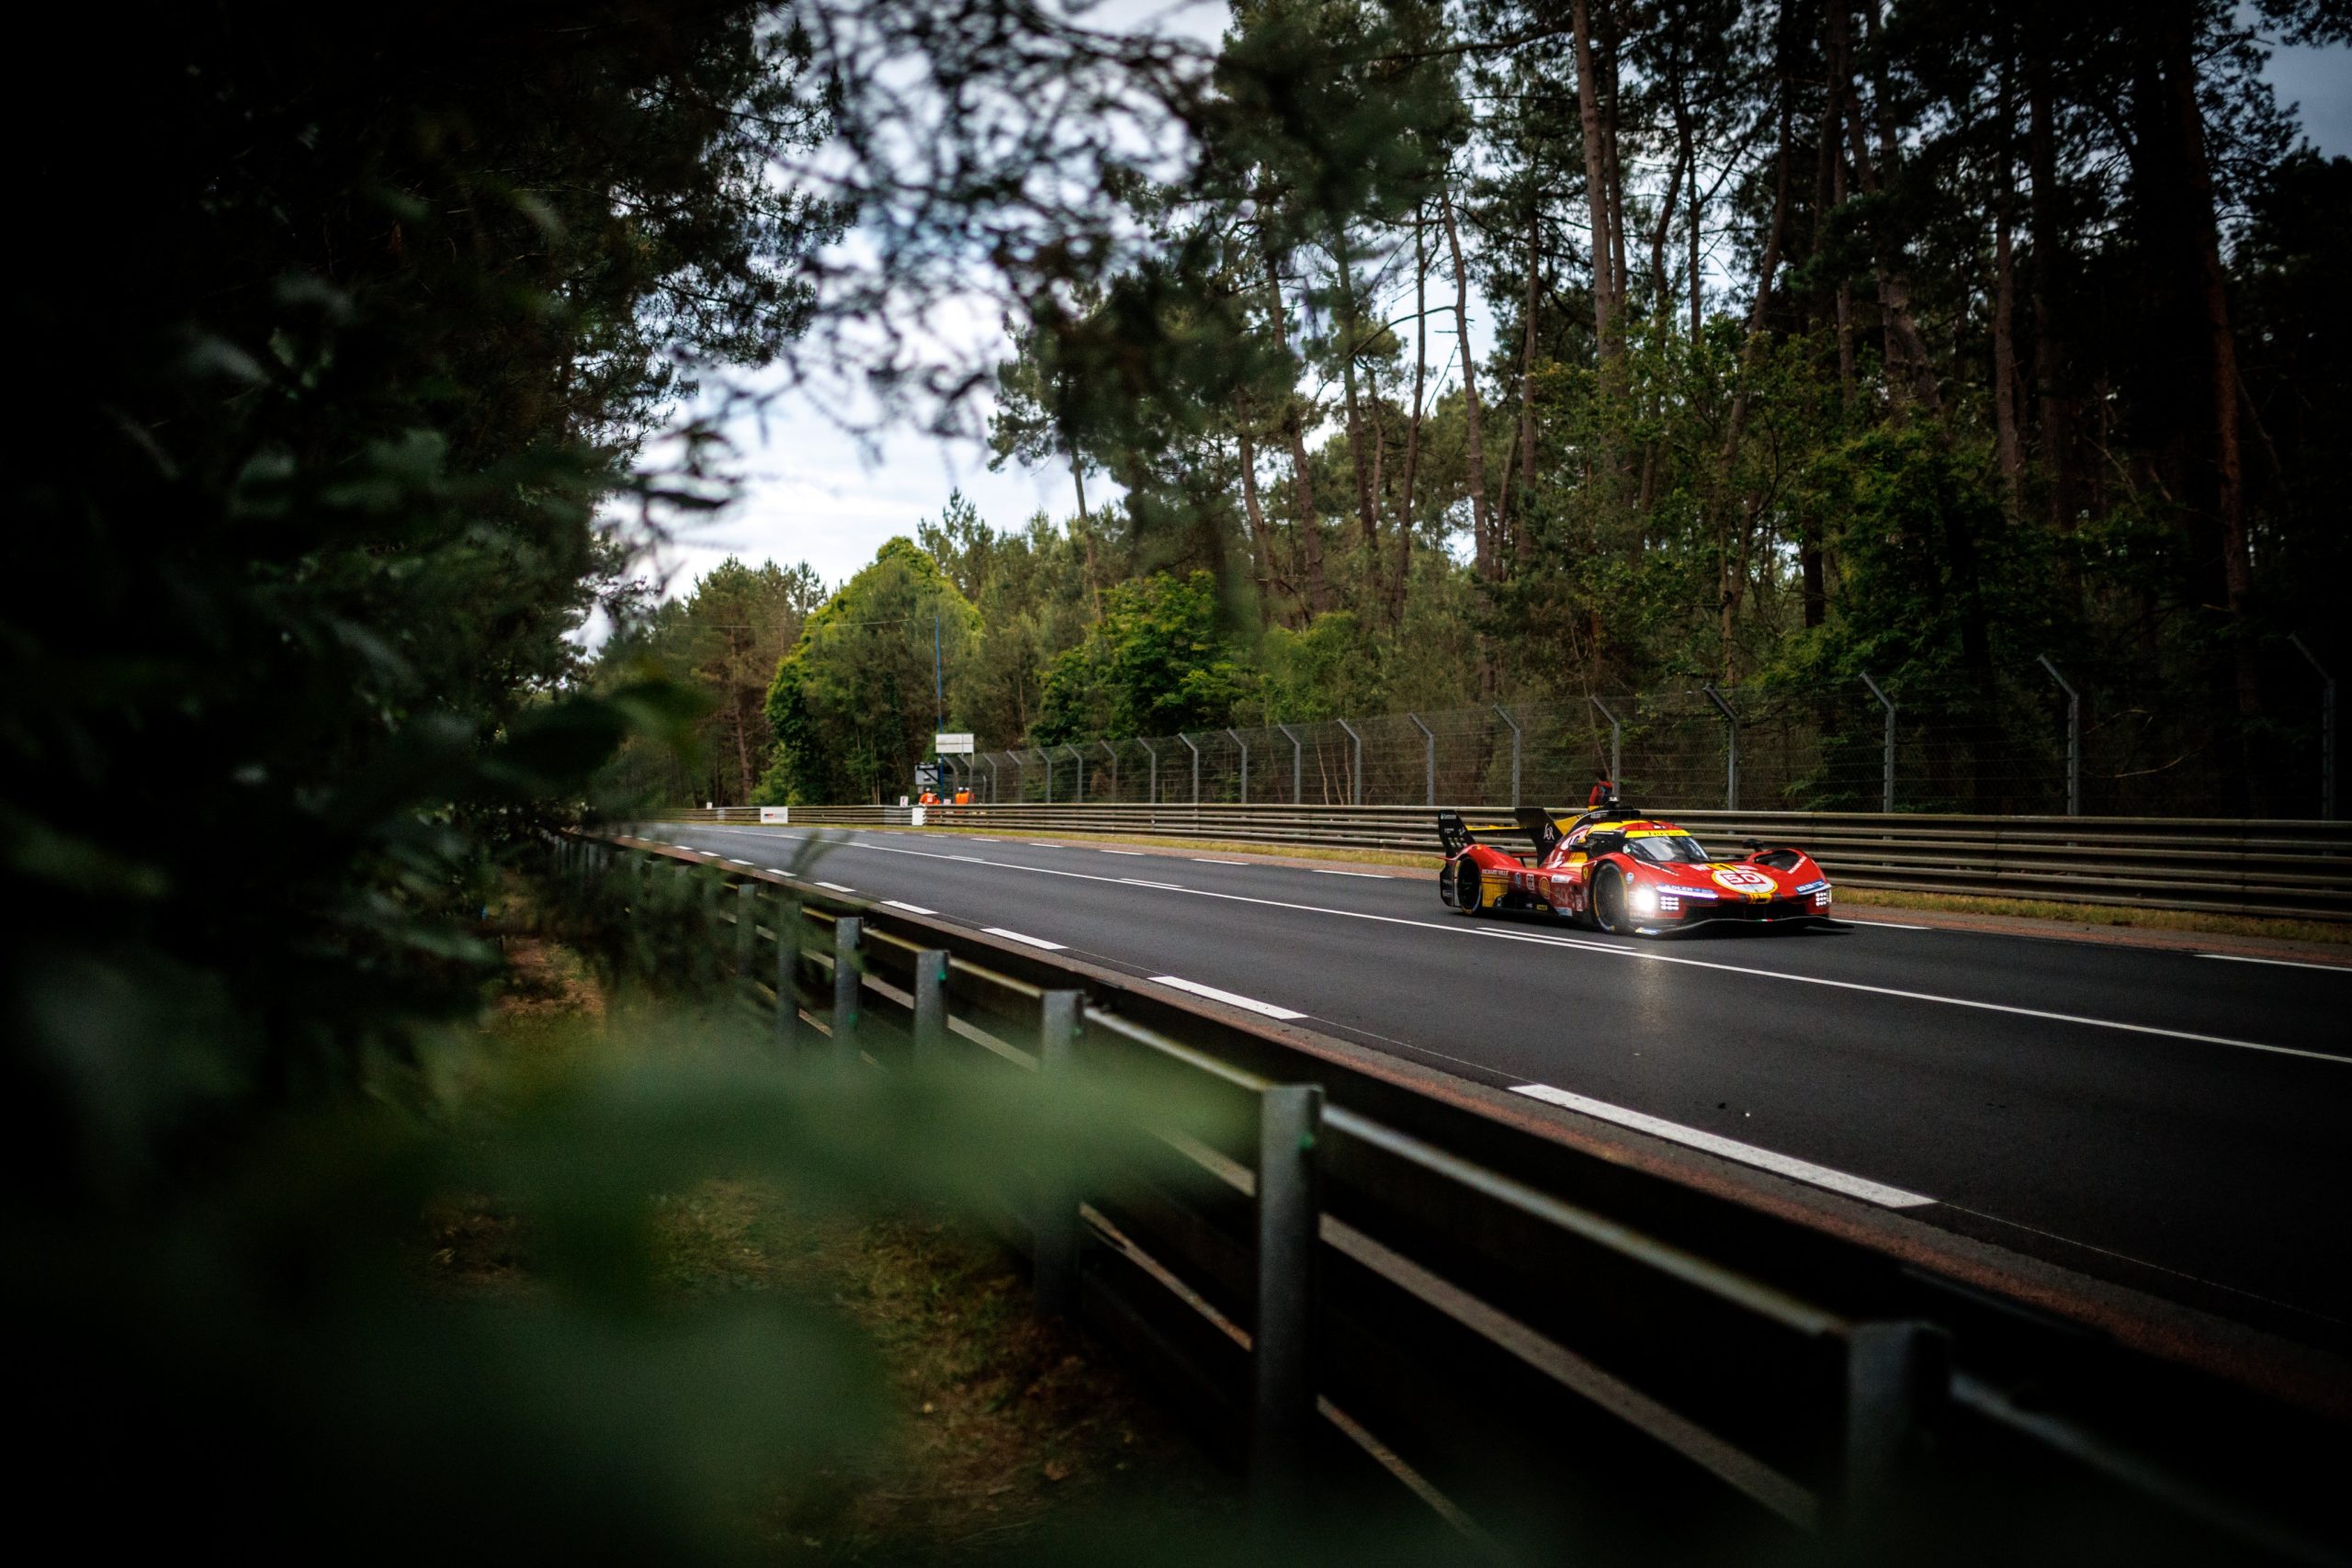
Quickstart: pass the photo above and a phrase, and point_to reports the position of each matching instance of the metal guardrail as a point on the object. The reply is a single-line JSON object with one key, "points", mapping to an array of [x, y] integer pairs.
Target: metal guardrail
{"points": [[2293, 869], [1385, 1279]]}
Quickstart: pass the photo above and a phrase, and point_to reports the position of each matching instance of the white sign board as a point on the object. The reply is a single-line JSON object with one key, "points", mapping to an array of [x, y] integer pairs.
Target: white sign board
{"points": [[776, 814], [914, 816], [946, 745]]}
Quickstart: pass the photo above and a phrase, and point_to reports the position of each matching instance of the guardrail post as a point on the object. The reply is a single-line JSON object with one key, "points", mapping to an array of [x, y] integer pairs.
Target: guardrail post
{"points": [[2326, 730], [787, 977], [1297, 774], [1731, 749], [1235, 736], [1506, 718], [1886, 786], [931, 1003], [2073, 738], [1282, 1343], [1895, 1372], [1197, 766], [849, 965], [1429, 755], [747, 928], [1055, 1226], [1357, 791], [1616, 735]]}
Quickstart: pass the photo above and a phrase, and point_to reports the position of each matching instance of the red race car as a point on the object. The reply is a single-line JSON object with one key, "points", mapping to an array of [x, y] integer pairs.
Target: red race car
{"points": [[1616, 870]]}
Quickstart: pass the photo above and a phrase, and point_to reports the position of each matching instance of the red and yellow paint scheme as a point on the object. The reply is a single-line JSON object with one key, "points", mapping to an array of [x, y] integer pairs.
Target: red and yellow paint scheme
{"points": [[1615, 870]]}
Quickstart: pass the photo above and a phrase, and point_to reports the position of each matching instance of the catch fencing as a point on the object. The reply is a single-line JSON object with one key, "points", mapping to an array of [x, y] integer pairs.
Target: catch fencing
{"points": [[2292, 870], [2044, 740], [1357, 1276]]}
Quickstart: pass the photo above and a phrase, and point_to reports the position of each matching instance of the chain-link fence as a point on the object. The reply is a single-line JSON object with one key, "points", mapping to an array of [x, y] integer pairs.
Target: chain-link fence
{"points": [[2039, 741]]}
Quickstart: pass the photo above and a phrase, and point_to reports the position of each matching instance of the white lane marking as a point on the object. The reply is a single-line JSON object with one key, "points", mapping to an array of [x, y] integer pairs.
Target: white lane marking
{"points": [[779, 871], [1368, 875], [1889, 925], [1729, 1148], [1587, 944], [1228, 997], [2281, 962], [1019, 936], [1197, 860], [1137, 853], [910, 908], [1139, 882], [732, 861], [1924, 997], [837, 888], [690, 848], [1043, 844], [977, 839]]}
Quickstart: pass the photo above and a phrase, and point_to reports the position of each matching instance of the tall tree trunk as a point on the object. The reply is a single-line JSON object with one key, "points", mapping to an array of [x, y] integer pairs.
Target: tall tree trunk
{"points": [[1359, 455], [1523, 537], [2053, 376], [2005, 307], [1261, 544], [1736, 424], [1596, 188], [1474, 436], [1910, 371], [1413, 430], [1313, 592]]}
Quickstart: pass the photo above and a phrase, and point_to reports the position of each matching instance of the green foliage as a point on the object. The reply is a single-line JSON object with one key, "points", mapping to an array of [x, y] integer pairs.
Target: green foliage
{"points": [[851, 706], [1160, 660]]}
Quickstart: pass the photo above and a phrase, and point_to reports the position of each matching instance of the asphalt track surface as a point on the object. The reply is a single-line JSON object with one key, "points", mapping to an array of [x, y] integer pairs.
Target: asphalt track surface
{"points": [[2178, 1122]]}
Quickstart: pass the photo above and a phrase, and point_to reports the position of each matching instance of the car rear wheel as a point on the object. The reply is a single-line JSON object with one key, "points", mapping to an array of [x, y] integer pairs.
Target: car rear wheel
{"points": [[1608, 901], [1468, 887]]}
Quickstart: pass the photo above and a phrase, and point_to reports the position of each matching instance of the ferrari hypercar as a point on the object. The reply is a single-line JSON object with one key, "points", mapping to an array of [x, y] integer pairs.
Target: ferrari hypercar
{"points": [[1612, 869]]}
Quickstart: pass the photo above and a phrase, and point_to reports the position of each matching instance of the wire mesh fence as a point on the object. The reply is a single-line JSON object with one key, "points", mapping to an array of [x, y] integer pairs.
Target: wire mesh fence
{"points": [[2035, 742]]}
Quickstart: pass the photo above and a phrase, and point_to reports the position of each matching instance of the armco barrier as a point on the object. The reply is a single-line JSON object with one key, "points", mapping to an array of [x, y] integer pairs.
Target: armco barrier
{"points": [[1572, 1337], [2291, 869]]}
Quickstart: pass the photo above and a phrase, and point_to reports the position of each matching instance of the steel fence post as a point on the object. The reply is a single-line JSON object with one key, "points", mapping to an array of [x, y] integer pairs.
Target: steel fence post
{"points": [[1886, 786], [931, 1003], [1055, 1226], [1357, 789], [1197, 766], [1020, 779], [1112, 752], [787, 977], [1429, 755], [1616, 735], [1235, 736], [1078, 760], [1514, 752], [848, 966], [995, 794], [2326, 728], [1296, 772], [1282, 1343], [1046, 758], [1731, 749], [2073, 738], [1153, 752], [1894, 1372]]}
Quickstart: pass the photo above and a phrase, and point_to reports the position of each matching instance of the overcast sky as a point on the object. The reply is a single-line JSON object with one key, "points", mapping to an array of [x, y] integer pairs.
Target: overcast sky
{"points": [[811, 496]]}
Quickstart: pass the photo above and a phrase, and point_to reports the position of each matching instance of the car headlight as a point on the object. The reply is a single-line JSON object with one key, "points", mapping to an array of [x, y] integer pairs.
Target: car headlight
{"points": [[1645, 900]]}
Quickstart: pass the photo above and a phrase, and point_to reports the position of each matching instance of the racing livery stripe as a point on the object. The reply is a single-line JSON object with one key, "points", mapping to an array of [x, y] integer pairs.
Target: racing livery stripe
{"points": [[1729, 1148]]}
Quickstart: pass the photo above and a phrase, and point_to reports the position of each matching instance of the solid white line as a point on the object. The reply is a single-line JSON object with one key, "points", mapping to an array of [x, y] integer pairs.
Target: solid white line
{"points": [[910, 908], [1586, 944], [1228, 997], [1196, 860], [1729, 1148], [1137, 853], [1925, 997], [837, 888], [1370, 876], [1018, 936], [2281, 962]]}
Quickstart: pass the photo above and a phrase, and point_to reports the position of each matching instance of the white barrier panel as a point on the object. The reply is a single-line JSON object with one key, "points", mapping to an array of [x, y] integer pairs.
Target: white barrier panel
{"points": [[914, 819], [769, 814]]}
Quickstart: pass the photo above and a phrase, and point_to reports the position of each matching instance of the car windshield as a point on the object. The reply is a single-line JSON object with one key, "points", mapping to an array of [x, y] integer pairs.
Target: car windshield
{"points": [[1668, 849]]}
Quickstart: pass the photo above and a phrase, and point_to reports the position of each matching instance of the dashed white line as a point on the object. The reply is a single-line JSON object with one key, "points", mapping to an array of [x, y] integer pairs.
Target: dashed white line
{"points": [[1043, 844], [1368, 875], [1198, 860], [1137, 854], [837, 888], [977, 839], [779, 871], [1729, 1148], [1250, 1003], [2281, 962], [1023, 936], [732, 861], [910, 908], [1139, 882]]}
